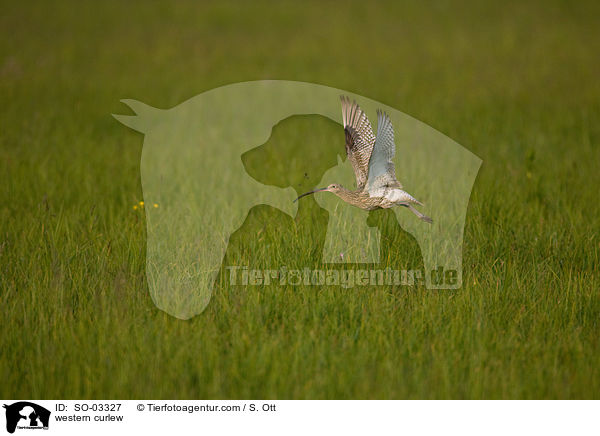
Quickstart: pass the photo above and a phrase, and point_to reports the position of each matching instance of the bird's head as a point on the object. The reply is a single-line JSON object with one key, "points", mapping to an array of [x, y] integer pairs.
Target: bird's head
{"points": [[334, 187]]}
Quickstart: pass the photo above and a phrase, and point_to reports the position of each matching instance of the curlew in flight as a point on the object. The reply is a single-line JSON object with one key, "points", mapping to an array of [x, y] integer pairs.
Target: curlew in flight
{"points": [[372, 160]]}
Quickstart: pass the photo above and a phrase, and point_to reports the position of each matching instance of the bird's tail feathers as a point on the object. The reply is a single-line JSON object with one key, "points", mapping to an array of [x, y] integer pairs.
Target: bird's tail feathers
{"points": [[413, 200]]}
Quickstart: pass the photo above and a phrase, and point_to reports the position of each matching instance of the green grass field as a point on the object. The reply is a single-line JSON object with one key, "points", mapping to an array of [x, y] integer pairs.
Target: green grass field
{"points": [[516, 83]]}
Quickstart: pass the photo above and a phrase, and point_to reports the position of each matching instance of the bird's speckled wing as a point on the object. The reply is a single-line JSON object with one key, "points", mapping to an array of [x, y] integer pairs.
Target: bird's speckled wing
{"points": [[359, 139], [382, 173]]}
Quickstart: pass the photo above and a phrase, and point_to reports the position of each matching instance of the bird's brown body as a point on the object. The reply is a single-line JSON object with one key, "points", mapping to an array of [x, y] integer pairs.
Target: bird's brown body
{"points": [[359, 199], [372, 161], [364, 200]]}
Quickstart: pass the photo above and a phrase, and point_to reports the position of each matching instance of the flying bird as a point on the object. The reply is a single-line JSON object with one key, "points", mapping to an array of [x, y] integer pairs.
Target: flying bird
{"points": [[372, 161]]}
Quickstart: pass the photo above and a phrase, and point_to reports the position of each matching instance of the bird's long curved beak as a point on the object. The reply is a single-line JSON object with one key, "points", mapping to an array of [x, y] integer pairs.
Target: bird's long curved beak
{"points": [[310, 192]]}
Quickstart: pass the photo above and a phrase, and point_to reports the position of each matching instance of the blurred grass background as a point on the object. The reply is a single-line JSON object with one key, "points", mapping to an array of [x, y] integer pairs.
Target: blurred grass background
{"points": [[514, 82]]}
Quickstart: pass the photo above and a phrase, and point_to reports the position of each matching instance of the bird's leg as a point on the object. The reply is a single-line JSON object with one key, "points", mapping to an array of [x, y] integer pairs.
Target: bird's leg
{"points": [[417, 213]]}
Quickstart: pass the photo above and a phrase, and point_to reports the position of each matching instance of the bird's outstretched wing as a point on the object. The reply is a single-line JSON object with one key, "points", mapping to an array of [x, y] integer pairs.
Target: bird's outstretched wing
{"points": [[359, 139], [382, 173]]}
